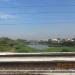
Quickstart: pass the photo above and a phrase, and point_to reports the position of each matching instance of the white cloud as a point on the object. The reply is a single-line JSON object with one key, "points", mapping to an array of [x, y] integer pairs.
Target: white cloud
{"points": [[6, 16], [5, 0]]}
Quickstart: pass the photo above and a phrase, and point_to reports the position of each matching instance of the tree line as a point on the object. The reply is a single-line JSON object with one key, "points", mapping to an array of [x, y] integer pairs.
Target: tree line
{"points": [[18, 45], [61, 43]]}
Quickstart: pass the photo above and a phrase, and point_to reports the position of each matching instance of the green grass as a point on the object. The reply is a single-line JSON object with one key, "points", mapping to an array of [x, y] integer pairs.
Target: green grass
{"points": [[51, 49], [26, 49], [60, 49]]}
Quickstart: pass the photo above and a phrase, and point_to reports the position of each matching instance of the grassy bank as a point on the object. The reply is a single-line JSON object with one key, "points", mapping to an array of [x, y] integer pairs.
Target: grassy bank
{"points": [[29, 49], [20, 45], [26, 49], [60, 49]]}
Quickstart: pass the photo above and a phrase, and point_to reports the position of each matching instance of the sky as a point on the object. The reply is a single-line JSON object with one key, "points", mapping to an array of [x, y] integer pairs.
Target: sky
{"points": [[37, 19]]}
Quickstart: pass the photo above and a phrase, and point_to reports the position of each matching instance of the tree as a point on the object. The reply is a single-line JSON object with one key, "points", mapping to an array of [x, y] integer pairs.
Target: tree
{"points": [[68, 43]]}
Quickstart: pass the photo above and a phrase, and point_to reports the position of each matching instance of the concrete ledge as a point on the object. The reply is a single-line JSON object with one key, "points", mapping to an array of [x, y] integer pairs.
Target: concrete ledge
{"points": [[37, 57], [37, 72], [38, 54]]}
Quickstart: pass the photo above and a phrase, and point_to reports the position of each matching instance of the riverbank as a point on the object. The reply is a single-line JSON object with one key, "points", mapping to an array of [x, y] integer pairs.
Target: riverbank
{"points": [[50, 49], [27, 49], [60, 49]]}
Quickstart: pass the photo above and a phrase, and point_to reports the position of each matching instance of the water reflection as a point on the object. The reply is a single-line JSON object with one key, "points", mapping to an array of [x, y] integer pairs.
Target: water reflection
{"points": [[38, 46]]}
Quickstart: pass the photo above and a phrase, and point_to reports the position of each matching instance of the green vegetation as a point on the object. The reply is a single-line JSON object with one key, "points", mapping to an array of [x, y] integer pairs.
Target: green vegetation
{"points": [[60, 49], [61, 45], [20, 45]]}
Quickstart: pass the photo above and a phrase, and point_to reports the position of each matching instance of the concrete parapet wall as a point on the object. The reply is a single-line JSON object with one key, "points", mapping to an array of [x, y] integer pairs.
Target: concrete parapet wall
{"points": [[36, 72]]}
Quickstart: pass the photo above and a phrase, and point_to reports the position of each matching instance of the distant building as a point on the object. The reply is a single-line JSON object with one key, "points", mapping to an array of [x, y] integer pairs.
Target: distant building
{"points": [[68, 39], [56, 40]]}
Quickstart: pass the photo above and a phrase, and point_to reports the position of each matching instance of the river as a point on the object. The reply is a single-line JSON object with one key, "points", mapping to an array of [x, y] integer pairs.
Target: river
{"points": [[38, 46]]}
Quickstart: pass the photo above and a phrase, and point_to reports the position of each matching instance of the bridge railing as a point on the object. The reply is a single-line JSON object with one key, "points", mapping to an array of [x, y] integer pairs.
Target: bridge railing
{"points": [[35, 71]]}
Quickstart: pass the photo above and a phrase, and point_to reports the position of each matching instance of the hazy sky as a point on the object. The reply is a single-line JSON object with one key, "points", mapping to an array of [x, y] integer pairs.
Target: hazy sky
{"points": [[37, 19]]}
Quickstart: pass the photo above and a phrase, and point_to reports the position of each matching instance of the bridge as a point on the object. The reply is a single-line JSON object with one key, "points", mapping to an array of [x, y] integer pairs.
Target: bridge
{"points": [[37, 63]]}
